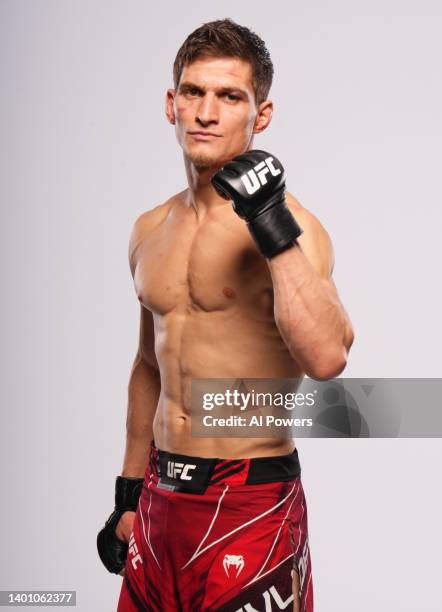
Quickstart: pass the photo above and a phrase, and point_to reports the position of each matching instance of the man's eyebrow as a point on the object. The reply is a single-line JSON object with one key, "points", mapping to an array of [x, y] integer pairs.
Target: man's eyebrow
{"points": [[189, 85], [221, 89], [233, 90]]}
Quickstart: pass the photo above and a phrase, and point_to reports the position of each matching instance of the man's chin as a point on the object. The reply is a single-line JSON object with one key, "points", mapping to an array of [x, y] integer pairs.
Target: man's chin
{"points": [[203, 161]]}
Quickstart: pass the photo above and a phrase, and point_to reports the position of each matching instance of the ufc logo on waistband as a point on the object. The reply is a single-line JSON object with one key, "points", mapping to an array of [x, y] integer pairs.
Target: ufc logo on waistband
{"points": [[256, 177], [179, 470]]}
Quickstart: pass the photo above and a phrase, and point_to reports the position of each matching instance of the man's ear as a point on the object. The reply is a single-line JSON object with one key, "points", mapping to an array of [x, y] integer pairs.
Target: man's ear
{"points": [[263, 116], [170, 113]]}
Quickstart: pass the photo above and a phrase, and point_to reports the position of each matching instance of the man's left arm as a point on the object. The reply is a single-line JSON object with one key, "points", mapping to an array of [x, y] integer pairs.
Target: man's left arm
{"points": [[308, 312]]}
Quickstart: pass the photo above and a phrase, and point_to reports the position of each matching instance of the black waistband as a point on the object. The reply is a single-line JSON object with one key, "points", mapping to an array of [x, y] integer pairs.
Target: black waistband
{"points": [[194, 474]]}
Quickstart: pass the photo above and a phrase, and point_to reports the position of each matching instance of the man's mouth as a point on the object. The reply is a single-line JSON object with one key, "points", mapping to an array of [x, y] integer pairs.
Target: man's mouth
{"points": [[203, 136]]}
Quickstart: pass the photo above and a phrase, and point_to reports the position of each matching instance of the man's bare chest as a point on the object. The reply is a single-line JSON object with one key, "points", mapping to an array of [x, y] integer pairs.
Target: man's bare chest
{"points": [[210, 266]]}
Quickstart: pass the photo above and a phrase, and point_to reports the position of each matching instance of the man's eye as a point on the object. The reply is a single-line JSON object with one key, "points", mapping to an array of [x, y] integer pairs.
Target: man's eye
{"points": [[231, 97], [192, 92]]}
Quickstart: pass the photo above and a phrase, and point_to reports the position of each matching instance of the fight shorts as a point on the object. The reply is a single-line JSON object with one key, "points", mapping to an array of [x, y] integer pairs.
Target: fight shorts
{"points": [[218, 535]]}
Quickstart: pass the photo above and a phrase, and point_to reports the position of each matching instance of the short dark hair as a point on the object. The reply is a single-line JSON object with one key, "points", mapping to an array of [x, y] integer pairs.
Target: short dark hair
{"points": [[225, 38]]}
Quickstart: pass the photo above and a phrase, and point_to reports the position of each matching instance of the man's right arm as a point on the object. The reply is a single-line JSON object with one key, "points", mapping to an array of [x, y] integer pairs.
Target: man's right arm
{"points": [[144, 382], [143, 394]]}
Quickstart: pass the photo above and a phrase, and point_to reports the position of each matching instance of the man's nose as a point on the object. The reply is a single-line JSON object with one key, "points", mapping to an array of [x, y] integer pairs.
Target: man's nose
{"points": [[207, 111]]}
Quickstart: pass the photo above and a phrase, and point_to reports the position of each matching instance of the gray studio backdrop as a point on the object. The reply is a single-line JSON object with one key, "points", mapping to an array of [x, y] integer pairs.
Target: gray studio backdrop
{"points": [[85, 149]]}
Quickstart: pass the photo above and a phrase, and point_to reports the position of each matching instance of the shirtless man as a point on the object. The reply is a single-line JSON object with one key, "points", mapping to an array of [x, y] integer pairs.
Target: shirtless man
{"points": [[223, 294]]}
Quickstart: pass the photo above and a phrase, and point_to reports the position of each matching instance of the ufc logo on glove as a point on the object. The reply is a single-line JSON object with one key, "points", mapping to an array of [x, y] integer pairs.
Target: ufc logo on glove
{"points": [[256, 177], [255, 183]]}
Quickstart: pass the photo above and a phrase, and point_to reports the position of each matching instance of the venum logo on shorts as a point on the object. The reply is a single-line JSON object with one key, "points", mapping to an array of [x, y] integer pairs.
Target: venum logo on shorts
{"points": [[256, 177], [236, 560], [133, 551], [179, 470]]}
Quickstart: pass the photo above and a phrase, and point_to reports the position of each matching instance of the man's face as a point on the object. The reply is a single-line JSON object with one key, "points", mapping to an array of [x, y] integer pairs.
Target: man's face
{"points": [[214, 110]]}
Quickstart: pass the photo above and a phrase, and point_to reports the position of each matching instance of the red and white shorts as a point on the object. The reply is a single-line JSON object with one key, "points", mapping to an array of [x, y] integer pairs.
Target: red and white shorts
{"points": [[218, 534]]}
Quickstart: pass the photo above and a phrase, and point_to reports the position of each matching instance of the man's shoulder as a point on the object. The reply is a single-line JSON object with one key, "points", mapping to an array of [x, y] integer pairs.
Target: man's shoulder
{"points": [[148, 221], [151, 218]]}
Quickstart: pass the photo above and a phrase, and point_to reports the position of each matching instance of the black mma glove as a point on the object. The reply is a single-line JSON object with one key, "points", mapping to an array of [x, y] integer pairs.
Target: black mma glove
{"points": [[255, 182], [112, 550]]}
